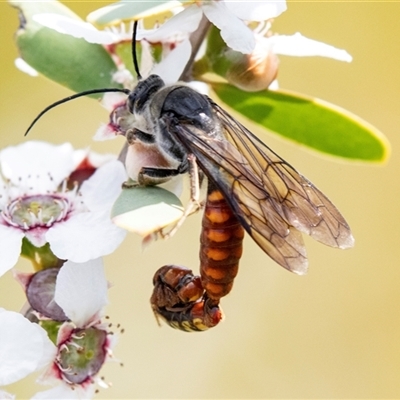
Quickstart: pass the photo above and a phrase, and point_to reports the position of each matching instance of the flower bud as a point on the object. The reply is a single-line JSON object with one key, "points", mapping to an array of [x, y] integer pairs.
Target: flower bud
{"points": [[40, 294], [253, 72], [249, 72]]}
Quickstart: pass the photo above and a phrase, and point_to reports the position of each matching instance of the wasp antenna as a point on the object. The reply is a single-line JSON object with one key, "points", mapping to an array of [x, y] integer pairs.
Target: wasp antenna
{"points": [[134, 55], [74, 96]]}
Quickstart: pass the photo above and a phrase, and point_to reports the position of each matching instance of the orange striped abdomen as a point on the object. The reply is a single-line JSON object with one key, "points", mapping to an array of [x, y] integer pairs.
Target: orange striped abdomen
{"points": [[221, 246]]}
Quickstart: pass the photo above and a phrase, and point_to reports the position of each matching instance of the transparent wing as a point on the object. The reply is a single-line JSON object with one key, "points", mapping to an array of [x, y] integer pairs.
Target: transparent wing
{"points": [[271, 199]]}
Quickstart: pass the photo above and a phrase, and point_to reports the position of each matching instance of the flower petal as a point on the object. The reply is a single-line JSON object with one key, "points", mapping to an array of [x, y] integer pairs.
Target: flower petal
{"points": [[95, 160], [170, 69], [22, 345], [85, 236], [48, 351], [186, 21], [37, 236], [6, 396], [23, 66], [125, 10], [103, 187], [81, 291], [105, 132], [10, 247], [75, 28], [66, 392], [148, 219], [300, 46], [233, 30], [256, 10], [111, 100], [37, 160]]}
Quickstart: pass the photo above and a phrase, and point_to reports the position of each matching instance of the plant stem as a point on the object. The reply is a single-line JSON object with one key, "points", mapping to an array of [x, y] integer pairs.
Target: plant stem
{"points": [[196, 39]]}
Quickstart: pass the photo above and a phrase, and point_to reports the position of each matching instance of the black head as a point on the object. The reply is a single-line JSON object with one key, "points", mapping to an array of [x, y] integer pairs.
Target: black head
{"points": [[143, 92]]}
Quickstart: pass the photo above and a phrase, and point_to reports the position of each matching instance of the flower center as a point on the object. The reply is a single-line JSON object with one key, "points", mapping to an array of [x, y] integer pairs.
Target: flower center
{"points": [[82, 355], [33, 211]]}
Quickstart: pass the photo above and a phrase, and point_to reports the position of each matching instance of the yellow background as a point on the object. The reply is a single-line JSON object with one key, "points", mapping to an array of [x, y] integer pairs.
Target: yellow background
{"points": [[334, 333]]}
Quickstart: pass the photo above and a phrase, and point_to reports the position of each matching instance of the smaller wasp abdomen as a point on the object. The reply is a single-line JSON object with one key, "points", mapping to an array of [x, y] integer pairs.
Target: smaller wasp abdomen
{"points": [[221, 246]]}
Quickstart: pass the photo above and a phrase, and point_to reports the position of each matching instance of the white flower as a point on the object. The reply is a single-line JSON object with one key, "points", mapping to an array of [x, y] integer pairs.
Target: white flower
{"points": [[174, 38], [81, 29], [226, 15], [83, 345], [300, 46], [229, 17], [6, 396], [24, 347], [36, 203], [258, 70]]}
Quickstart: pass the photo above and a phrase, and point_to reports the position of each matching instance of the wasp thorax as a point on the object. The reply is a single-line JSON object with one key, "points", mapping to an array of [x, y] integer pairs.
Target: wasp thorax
{"points": [[82, 354], [36, 211], [255, 71]]}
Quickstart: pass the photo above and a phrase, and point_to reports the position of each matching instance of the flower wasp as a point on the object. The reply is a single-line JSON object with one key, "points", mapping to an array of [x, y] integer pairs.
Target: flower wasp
{"points": [[251, 189]]}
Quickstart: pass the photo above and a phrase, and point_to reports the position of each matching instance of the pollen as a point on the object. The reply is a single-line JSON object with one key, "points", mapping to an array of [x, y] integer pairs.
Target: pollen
{"points": [[39, 210]]}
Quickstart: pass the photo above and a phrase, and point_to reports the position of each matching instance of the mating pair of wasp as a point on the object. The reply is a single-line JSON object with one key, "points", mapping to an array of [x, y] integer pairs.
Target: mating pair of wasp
{"points": [[250, 189]]}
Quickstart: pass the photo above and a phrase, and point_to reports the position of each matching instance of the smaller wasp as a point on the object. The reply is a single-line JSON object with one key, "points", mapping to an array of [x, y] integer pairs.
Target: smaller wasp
{"points": [[179, 299]]}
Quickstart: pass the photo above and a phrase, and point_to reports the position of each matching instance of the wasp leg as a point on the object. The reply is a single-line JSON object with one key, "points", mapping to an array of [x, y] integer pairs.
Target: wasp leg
{"points": [[152, 176], [129, 184], [134, 135], [149, 176], [194, 204]]}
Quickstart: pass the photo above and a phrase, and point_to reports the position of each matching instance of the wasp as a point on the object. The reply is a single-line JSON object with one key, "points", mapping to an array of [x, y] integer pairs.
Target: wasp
{"points": [[174, 130]]}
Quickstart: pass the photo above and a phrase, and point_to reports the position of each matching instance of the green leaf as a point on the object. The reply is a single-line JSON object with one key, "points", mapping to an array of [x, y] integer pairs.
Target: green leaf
{"points": [[67, 60], [145, 210], [126, 10], [309, 121]]}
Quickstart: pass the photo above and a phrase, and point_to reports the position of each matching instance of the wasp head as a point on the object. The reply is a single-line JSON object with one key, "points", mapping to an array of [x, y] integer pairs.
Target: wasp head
{"points": [[143, 93]]}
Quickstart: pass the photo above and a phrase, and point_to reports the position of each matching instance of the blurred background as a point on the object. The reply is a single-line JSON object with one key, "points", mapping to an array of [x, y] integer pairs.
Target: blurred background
{"points": [[334, 333]]}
